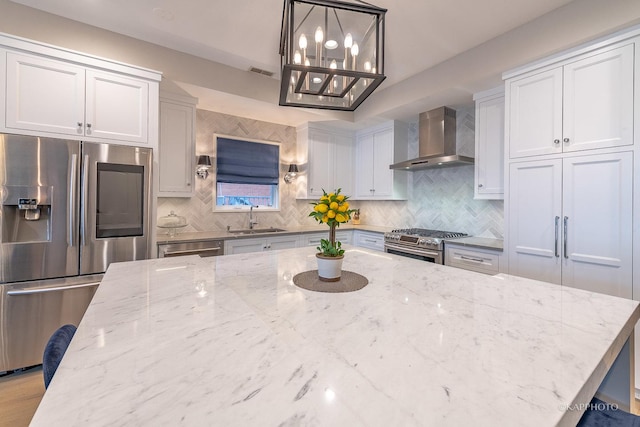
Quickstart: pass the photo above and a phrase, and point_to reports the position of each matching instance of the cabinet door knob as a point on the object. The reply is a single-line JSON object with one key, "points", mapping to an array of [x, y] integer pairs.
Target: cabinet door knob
{"points": [[556, 141], [566, 140], [480, 186]]}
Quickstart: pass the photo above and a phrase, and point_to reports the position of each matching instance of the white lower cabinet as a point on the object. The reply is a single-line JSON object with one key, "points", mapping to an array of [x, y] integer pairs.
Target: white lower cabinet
{"points": [[369, 239], [261, 244], [570, 221], [313, 239], [481, 260]]}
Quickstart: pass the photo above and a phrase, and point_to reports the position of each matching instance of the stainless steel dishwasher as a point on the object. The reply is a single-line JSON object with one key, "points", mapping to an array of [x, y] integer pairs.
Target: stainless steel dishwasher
{"points": [[205, 248]]}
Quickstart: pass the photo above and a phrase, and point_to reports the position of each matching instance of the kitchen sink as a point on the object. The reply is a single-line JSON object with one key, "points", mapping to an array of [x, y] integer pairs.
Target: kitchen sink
{"points": [[256, 230]]}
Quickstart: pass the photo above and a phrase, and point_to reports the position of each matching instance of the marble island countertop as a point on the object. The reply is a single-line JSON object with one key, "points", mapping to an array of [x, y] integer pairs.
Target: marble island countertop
{"points": [[226, 341]]}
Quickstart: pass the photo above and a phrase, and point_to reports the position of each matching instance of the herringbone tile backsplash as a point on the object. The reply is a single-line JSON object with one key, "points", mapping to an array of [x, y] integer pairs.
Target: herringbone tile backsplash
{"points": [[439, 199]]}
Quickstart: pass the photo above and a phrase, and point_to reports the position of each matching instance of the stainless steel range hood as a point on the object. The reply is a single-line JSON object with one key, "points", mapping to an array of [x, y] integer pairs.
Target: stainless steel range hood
{"points": [[436, 142]]}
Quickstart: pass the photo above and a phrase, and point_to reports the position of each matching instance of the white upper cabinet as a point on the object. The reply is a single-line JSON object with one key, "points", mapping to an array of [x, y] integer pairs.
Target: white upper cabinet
{"points": [[585, 104], [489, 162], [598, 101], [329, 160], [322, 154], [117, 107], [54, 92], [44, 95], [376, 149], [177, 146]]}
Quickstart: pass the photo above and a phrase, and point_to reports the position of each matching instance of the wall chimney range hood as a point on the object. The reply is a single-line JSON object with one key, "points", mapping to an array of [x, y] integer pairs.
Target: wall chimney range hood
{"points": [[436, 142]]}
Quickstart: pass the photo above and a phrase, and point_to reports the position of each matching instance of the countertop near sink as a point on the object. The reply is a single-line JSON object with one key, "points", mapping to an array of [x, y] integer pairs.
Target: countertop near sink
{"points": [[479, 242], [162, 237]]}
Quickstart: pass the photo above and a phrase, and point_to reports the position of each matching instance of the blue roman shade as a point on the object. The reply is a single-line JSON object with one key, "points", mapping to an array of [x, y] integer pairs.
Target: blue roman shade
{"points": [[244, 162]]}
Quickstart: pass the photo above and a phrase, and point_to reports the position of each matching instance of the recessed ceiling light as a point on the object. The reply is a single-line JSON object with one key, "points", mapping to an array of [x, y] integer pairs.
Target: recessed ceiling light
{"points": [[331, 44], [317, 80]]}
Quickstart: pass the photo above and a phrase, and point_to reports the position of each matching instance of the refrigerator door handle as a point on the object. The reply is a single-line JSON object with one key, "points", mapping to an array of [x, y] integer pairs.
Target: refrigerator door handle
{"points": [[72, 197], [85, 198], [28, 291], [566, 236], [556, 253]]}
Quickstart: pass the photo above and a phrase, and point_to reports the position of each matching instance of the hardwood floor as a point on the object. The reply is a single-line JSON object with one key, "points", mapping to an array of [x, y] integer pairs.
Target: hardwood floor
{"points": [[20, 394]]}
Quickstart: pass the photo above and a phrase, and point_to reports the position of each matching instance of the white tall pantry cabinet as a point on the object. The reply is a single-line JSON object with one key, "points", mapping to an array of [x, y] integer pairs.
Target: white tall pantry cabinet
{"points": [[572, 174]]}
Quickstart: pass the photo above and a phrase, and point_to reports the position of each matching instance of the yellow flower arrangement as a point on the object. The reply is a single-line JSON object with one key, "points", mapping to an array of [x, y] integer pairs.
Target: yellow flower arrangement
{"points": [[332, 209]]}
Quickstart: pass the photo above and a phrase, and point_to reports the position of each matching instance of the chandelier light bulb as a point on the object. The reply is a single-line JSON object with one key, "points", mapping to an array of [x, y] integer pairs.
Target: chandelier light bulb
{"points": [[302, 42], [354, 49], [333, 65], [348, 41], [297, 58], [367, 66], [319, 35]]}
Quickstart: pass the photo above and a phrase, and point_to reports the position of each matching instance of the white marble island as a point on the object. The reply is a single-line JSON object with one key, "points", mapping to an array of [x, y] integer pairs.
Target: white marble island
{"points": [[231, 341]]}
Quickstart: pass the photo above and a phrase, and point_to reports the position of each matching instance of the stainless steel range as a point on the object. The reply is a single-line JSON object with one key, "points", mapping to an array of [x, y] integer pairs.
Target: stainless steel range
{"points": [[419, 243]]}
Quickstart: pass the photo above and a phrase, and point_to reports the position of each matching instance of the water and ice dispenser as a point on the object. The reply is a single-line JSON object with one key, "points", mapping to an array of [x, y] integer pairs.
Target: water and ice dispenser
{"points": [[26, 214]]}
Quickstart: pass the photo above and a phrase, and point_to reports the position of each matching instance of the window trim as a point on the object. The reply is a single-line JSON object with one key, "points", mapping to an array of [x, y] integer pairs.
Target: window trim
{"points": [[214, 175]]}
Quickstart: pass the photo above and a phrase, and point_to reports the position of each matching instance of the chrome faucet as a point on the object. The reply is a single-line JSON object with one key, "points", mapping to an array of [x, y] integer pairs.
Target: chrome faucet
{"points": [[252, 221]]}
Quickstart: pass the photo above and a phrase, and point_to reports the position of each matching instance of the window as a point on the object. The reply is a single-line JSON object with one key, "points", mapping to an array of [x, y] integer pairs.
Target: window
{"points": [[247, 174]]}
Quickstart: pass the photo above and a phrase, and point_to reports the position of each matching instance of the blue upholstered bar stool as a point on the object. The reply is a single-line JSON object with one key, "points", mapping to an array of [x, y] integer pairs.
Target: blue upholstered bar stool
{"points": [[55, 349], [601, 414]]}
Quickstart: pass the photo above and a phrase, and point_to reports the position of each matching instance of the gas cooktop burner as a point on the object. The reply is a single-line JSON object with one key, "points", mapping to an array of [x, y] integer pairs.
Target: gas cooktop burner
{"points": [[422, 232]]}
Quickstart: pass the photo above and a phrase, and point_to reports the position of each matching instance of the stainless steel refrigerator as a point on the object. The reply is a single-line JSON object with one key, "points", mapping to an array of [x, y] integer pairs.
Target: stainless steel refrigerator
{"points": [[67, 210]]}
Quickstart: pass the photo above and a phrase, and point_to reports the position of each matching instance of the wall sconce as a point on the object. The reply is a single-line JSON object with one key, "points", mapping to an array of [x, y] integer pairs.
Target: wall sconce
{"points": [[202, 169], [291, 174]]}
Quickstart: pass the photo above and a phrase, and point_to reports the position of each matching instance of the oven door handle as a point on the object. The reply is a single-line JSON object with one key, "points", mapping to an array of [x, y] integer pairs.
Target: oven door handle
{"points": [[401, 248]]}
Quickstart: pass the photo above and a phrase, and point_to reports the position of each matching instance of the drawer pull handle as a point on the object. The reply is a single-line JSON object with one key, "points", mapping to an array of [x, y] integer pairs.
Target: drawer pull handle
{"points": [[466, 258]]}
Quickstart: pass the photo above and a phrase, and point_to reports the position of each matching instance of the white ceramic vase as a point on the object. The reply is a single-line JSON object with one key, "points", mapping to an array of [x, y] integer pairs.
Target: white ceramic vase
{"points": [[329, 268]]}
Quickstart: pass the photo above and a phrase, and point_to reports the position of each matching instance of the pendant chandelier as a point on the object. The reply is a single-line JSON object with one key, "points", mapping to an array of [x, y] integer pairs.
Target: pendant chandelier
{"points": [[332, 53]]}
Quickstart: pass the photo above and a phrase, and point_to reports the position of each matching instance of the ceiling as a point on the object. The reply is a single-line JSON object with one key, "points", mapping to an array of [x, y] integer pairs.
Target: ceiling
{"points": [[420, 34]]}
